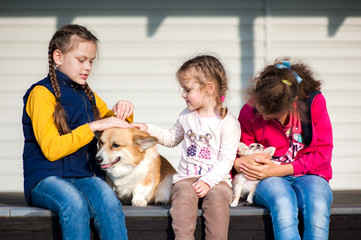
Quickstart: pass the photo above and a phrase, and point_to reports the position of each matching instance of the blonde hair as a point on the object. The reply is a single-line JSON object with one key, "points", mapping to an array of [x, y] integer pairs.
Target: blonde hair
{"points": [[211, 69], [64, 40]]}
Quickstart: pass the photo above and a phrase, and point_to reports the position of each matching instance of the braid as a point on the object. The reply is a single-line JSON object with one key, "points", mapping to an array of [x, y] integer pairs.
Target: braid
{"points": [[59, 114], [222, 81], [90, 96], [52, 74], [210, 69], [64, 40]]}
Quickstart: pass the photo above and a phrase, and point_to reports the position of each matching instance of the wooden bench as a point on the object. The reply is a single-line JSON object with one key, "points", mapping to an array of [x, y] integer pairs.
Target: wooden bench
{"points": [[18, 221]]}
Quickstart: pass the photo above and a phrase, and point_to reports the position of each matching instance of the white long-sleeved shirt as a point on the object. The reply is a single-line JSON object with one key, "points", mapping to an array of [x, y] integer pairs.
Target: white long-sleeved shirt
{"points": [[209, 145]]}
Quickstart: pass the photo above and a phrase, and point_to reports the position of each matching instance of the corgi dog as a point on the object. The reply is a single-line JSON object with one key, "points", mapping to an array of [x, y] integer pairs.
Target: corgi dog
{"points": [[242, 187], [134, 169]]}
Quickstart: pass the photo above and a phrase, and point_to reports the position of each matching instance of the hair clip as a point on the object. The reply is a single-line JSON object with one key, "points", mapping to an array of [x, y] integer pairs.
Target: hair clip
{"points": [[284, 65], [222, 98], [287, 82], [287, 65]]}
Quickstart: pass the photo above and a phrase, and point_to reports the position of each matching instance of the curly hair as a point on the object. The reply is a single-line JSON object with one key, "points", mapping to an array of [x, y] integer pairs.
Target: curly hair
{"points": [[65, 39], [275, 90], [208, 68]]}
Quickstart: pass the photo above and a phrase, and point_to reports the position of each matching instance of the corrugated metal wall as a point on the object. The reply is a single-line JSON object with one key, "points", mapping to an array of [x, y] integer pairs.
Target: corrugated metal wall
{"points": [[142, 43]]}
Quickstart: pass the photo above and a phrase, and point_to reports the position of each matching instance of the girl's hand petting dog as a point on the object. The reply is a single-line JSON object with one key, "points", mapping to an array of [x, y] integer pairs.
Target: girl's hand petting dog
{"points": [[201, 188], [105, 123], [123, 109]]}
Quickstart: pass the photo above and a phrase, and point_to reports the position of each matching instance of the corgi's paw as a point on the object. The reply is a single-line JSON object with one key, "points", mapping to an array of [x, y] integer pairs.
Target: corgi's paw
{"points": [[139, 203]]}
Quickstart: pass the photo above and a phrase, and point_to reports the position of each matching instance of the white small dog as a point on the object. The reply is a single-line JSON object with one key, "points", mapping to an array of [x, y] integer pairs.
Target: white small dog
{"points": [[241, 185]]}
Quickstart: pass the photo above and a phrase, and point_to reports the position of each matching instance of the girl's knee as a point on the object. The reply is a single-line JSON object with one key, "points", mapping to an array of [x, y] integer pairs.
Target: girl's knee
{"points": [[282, 208], [183, 191], [220, 194], [77, 205], [275, 192], [184, 201], [314, 193], [75, 213]]}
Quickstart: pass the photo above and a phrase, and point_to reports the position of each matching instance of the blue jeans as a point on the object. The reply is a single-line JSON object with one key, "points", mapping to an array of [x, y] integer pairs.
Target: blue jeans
{"points": [[285, 197], [77, 201]]}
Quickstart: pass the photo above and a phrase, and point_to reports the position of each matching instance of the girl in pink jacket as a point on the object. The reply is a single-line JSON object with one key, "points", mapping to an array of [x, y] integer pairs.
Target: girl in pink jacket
{"points": [[286, 110]]}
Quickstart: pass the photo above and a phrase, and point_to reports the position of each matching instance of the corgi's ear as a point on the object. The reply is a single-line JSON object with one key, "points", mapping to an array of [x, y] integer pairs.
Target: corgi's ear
{"points": [[242, 148], [270, 150], [143, 143], [98, 134]]}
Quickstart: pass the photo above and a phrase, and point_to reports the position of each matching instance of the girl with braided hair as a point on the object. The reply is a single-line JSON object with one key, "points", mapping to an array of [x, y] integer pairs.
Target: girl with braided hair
{"points": [[204, 84], [286, 110], [61, 114]]}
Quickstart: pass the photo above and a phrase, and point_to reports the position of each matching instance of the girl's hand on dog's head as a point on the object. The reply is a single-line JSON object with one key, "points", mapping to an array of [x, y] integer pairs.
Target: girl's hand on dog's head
{"points": [[103, 124], [123, 109]]}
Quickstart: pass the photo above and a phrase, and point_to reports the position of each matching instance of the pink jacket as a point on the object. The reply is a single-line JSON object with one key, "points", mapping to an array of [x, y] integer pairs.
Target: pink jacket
{"points": [[314, 158]]}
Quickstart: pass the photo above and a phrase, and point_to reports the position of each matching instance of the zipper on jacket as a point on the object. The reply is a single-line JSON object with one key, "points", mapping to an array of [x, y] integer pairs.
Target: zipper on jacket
{"points": [[87, 155], [86, 105]]}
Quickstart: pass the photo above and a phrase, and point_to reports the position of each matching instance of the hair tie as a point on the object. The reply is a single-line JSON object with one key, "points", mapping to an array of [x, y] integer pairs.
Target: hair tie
{"points": [[58, 99], [287, 65], [222, 99], [287, 82]]}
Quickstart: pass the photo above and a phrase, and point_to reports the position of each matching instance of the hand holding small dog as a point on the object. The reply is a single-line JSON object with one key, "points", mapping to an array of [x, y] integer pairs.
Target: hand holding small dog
{"points": [[253, 172], [201, 188], [123, 109], [267, 168], [250, 159]]}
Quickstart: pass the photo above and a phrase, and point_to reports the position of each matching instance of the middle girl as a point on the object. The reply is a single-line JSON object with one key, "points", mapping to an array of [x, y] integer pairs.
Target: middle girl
{"points": [[211, 136]]}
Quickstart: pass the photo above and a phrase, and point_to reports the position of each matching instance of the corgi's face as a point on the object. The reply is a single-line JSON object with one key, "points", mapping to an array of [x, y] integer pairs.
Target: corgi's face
{"points": [[243, 149], [123, 146]]}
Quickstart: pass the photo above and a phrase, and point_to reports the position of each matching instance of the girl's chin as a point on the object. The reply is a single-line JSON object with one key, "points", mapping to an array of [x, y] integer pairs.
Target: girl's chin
{"points": [[81, 81], [192, 109]]}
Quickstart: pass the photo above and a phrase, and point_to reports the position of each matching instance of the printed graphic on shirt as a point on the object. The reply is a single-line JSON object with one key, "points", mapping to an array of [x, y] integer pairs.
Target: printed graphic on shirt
{"points": [[295, 140], [192, 153], [192, 149], [201, 162], [205, 152]]}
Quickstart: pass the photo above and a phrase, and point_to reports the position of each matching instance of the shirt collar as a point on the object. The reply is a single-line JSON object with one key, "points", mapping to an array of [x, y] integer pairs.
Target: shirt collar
{"points": [[66, 81]]}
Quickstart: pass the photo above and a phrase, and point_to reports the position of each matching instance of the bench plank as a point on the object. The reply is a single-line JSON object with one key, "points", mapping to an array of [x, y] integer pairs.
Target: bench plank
{"points": [[19, 221]]}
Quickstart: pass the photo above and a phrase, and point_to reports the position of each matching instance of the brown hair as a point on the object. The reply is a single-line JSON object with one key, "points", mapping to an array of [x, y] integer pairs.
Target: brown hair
{"points": [[275, 89], [64, 40], [211, 69]]}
